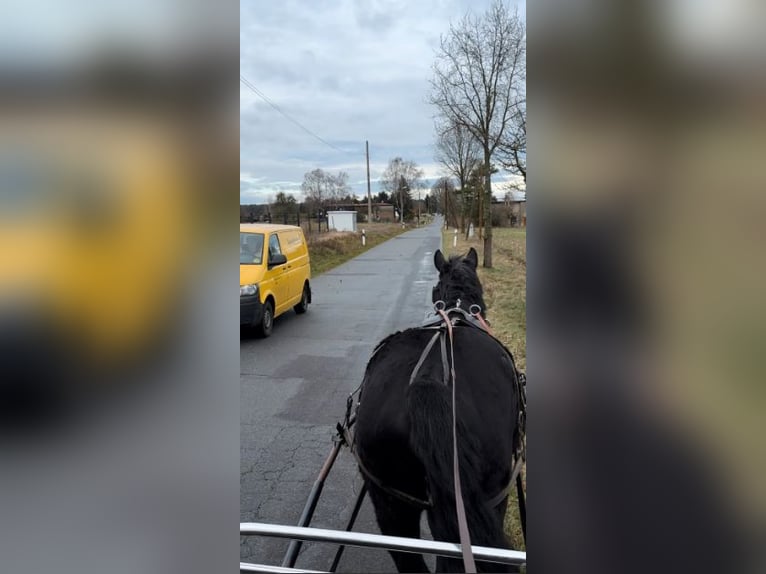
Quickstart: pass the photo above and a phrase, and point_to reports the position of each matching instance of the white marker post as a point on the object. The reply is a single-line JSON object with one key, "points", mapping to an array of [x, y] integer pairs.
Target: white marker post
{"points": [[364, 238], [454, 239]]}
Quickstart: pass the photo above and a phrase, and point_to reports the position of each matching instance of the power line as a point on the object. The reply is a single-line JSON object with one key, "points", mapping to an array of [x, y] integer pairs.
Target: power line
{"points": [[263, 96]]}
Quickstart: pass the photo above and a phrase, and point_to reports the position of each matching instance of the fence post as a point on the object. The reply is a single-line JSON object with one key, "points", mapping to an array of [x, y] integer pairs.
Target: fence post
{"points": [[454, 239], [364, 238]]}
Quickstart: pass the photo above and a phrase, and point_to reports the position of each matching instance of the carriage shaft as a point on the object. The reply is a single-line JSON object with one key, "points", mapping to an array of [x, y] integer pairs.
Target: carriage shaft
{"points": [[350, 525], [308, 511]]}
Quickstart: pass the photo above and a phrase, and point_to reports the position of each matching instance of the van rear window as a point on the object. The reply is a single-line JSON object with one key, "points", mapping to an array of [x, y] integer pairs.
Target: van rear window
{"points": [[250, 248]]}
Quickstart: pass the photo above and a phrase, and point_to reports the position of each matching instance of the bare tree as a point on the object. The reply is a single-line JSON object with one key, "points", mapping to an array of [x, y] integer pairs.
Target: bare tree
{"points": [[398, 180], [315, 187], [457, 150], [338, 187], [477, 81], [444, 200], [512, 151]]}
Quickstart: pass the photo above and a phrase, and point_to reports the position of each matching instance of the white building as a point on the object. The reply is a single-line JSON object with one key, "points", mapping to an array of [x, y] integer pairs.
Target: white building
{"points": [[341, 220]]}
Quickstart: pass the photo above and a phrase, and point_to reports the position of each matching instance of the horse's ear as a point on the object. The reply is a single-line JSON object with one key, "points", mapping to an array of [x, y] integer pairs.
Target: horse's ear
{"points": [[472, 258], [439, 260]]}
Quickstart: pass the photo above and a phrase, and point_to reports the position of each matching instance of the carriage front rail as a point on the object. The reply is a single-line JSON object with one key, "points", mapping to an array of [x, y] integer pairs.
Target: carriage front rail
{"points": [[396, 543]]}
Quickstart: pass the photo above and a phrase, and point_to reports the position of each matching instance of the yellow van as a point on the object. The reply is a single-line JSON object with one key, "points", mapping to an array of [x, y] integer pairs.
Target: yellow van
{"points": [[274, 274]]}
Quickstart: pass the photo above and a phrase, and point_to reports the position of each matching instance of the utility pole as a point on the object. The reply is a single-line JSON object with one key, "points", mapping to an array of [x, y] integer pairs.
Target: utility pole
{"points": [[369, 197], [404, 188], [444, 194], [418, 207]]}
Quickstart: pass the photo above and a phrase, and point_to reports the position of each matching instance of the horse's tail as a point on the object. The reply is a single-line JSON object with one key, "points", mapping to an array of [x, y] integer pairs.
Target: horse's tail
{"points": [[429, 406]]}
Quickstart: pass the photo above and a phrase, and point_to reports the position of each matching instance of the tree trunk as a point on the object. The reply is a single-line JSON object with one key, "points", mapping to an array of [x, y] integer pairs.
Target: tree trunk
{"points": [[487, 212], [462, 212], [488, 251], [481, 214]]}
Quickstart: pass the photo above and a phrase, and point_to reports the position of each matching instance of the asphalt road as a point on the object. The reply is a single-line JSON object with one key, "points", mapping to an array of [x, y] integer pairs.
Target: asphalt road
{"points": [[294, 387]]}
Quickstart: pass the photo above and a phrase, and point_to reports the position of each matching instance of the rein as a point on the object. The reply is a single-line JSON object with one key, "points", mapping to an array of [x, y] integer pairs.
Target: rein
{"points": [[462, 522]]}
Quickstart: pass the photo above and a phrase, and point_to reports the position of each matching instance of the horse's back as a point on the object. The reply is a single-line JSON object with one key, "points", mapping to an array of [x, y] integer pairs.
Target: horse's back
{"points": [[381, 414], [485, 388], [486, 384]]}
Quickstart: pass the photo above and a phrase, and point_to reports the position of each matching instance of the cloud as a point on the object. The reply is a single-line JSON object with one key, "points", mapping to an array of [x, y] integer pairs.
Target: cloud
{"points": [[348, 71]]}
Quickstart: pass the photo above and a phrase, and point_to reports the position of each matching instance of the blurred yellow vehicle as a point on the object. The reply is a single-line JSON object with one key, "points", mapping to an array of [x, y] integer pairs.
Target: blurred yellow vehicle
{"points": [[92, 241]]}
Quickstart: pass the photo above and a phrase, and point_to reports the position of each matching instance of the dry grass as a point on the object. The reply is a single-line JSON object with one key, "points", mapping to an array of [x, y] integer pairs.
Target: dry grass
{"points": [[505, 285], [505, 293], [330, 249]]}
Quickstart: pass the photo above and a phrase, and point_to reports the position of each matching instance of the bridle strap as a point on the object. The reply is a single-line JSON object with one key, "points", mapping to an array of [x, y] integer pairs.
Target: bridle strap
{"points": [[462, 523]]}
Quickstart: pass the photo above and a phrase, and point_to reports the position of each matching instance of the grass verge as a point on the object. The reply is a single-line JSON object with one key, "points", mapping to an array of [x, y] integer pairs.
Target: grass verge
{"points": [[505, 293], [329, 249]]}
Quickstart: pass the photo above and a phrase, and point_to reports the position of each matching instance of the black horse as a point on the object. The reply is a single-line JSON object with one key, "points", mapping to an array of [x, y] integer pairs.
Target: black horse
{"points": [[403, 435]]}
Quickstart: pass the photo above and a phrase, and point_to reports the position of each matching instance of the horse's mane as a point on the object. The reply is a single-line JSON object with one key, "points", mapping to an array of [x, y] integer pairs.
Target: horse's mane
{"points": [[460, 281]]}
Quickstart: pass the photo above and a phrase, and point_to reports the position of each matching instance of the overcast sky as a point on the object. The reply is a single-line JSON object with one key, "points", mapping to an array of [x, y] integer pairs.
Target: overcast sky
{"points": [[347, 70]]}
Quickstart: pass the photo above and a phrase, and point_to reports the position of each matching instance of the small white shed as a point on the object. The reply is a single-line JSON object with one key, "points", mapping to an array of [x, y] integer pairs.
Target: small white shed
{"points": [[341, 220]]}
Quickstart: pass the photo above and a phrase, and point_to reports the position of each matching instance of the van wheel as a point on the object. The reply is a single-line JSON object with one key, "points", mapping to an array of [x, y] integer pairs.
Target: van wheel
{"points": [[267, 322], [303, 306]]}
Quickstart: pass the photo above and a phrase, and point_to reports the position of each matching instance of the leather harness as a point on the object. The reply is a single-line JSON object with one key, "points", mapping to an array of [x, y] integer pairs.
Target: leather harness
{"points": [[437, 323]]}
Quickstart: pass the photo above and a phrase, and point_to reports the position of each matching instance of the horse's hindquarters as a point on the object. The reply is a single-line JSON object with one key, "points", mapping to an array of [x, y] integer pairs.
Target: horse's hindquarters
{"points": [[404, 433]]}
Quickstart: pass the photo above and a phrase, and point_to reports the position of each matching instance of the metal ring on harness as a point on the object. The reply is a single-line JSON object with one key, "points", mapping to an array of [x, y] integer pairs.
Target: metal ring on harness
{"points": [[440, 305], [475, 312]]}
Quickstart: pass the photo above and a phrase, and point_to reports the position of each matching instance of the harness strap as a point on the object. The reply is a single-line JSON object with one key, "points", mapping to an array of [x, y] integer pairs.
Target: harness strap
{"points": [[459, 314], [516, 471], [500, 496], [423, 356], [347, 437], [445, 366], [409, 499], [442, 331], [427, 504], [483, 323], [441, 335]]}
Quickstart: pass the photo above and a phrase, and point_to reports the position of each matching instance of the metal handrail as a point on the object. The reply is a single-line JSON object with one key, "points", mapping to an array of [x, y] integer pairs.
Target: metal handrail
{"points": [[414, 545], [246, 567]]}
